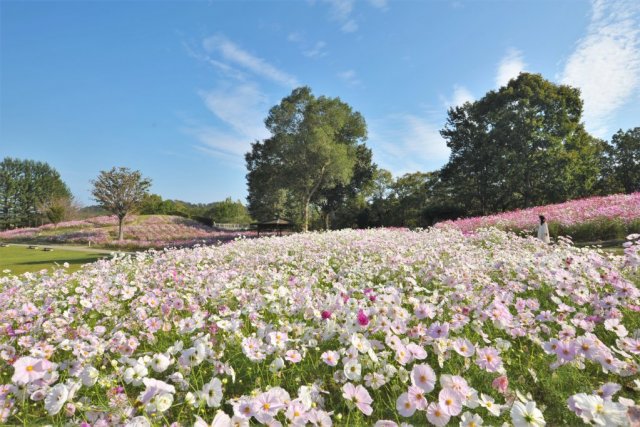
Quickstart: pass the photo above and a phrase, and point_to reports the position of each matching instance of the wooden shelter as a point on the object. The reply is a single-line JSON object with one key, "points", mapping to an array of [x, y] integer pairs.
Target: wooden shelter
{"points": [[275, 225]]}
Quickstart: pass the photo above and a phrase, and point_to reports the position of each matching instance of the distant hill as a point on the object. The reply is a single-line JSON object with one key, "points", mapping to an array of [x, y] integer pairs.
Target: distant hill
{"points": [[92, 211], [141, 231]]}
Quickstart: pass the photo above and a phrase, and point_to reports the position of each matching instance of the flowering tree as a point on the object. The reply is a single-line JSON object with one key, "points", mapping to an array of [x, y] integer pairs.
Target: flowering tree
{"points": [[120, 191]]}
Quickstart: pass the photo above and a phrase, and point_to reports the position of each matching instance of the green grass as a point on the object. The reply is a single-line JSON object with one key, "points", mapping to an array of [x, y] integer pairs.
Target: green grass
{"points": [[20, 259]]}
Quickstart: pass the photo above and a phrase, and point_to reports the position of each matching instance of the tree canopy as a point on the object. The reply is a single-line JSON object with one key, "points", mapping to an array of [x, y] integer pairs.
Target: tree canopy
{"points": [[120, 191], [624, 157], [312, 149], [520, 146], [25, 186]]}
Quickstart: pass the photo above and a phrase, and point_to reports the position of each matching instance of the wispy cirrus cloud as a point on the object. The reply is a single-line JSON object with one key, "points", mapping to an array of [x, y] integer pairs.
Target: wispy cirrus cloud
{"points": [[605, 64], [350, 77], [318, 50], [510, 66], [231, 52], [241, 110], [406, 143], [341, 11], [460, 95]]}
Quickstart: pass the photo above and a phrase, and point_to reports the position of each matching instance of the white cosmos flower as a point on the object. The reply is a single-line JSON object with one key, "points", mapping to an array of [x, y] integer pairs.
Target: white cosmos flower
{"points": [[526, 415], [56, 398], [361, 343], [160, 362], [353, 370], [135, 374], [599, 411], [138, 422], [212, 392], [470, 420], [89, 376], [163, 401], [489, 403]]}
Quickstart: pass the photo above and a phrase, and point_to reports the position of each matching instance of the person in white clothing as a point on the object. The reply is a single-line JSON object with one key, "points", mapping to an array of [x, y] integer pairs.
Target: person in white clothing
{"points": [[543, 230]]}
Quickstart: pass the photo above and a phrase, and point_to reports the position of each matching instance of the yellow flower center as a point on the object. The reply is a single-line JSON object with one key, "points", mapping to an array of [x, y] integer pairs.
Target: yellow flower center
{"points": [[29, 368]]}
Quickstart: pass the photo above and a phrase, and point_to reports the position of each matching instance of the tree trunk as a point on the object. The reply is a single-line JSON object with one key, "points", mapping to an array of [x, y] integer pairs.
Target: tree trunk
{"points": [[326, 222], [120, 228], [305, 220]]}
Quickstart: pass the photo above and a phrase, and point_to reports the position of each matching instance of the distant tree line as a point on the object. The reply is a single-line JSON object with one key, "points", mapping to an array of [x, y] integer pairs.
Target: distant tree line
{"points": [[519, 146]]}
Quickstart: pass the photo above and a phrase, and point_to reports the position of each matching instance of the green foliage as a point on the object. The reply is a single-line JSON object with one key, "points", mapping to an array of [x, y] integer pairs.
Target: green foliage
{"points": [[25, 185], [120, 191], [152, 204], [312, 149], [624, 159], [520, 146], [229, 211]]}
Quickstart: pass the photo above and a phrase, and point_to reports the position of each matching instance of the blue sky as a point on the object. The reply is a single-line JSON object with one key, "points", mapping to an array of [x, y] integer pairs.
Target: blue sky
{"points": [[179, 90]]}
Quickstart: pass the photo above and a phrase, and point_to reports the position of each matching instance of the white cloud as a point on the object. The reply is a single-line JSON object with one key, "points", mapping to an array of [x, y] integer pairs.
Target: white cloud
{"points": [[350, 77], [510, 66], [406, 143], [606, 62], [341, 11], [379, 4], [295, 37], [317, 51], [233, 53], [242, 109], [350, 26], [460, 95]]}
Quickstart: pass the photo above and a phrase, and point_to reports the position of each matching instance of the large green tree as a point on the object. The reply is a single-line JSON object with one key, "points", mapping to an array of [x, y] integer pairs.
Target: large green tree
{"points": [[624, 154], [519, 146], [26, 185], [343, 202], [312, 148], [120, 191]]}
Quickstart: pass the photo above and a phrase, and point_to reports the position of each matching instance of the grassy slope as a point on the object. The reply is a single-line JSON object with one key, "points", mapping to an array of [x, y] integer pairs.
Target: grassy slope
{"points": [[20, 259]]}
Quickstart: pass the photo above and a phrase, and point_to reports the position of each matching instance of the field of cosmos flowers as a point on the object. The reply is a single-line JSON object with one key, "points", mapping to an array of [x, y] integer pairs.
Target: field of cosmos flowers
{"points": [[140, 232], [375, 327], [596, 218]]}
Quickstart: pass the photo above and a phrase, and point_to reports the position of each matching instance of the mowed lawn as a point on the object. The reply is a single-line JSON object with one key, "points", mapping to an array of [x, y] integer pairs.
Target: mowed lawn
{"points": [[20, 259]]}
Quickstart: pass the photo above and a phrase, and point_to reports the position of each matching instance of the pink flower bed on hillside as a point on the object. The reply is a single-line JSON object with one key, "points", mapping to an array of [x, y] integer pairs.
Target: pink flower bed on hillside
{"points": [[152, 231], [624, 207]]}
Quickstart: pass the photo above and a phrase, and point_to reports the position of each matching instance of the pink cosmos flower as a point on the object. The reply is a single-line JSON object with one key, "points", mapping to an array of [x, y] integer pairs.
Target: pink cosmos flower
{"points": [[438, 330], [405, 406], [566, 350], [418, 352], [488, 359], [464, 347], [416, 396], [501, 384], [29, 369], [293, 356], [358, 395], [331, 358], [296, 413], [267, 406], [424, 377], [363, 319], [437, 415], [450, 401]]}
